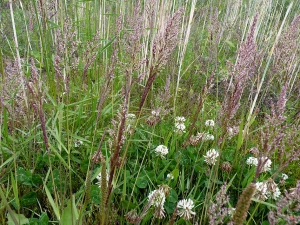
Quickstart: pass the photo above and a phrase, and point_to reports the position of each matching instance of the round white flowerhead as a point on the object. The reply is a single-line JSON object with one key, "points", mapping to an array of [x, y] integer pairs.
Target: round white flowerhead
{"points": [[205, 136], [284, 176], [155, 113], [179, 128], [266, 164], [261, 191], [157, 198], [131, 116], [99, 178], [209, 123], [179, 119], [170, 176], [211, 157], [161, 150], [185, 207], [77, 143], [252, 161]]}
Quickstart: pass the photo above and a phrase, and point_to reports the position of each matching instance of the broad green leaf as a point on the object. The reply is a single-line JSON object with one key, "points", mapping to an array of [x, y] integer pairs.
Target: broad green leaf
{"points": [[28, 199], [142, 182], [44, 219], [95, 194], [19, 217], [24, 176], [249, 177], [68, 216], [173, 197]]}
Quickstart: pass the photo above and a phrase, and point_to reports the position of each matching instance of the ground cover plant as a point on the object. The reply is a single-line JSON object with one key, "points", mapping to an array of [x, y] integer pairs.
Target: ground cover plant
{"points": [[149, 112]]}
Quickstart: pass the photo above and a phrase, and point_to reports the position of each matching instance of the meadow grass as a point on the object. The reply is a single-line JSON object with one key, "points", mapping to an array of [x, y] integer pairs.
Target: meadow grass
{"points": [[149, 112]]}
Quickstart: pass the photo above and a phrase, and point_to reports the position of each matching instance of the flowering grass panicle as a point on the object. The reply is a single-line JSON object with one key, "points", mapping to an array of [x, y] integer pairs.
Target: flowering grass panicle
{"points": [[287, 208], [243, 204], [99, 179], [241, 73], [184, 208], [163, 45], [218, 210]]}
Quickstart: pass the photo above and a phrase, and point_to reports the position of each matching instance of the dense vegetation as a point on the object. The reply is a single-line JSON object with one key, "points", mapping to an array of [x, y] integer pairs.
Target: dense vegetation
{"points": [[149, 112]]}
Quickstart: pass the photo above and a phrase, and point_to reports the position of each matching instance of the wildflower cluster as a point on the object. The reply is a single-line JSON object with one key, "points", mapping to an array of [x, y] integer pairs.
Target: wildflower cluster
{"points": [[287, 208], [161, 151], [170, 176], [209, 123], [157, 199], [265, 162], [211, 157], [99, 179], [184, 208], [265, 190], [179, 125], [218, 211], [196, 139], [130, 122], [154, 118]]}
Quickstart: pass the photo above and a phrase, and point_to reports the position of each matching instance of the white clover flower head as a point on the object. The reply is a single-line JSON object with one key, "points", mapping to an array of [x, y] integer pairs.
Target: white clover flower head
{"points": [[77, 143], [161, 151], [131, 116], [155, 113], [185, 207], [180, 119], [157, 198], [159, 212], [179, 128], [252, 161], [266, 164], [231, 211], [261, 191], [211, 157], [272, 189], [275, 194], [170, 176], [208, 137], [205, 136], [284, 176], [99, 178], [209, 123]]}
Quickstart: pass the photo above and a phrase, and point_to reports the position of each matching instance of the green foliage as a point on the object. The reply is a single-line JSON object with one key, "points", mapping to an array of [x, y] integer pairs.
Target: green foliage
{"points": [[72, 71]]}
